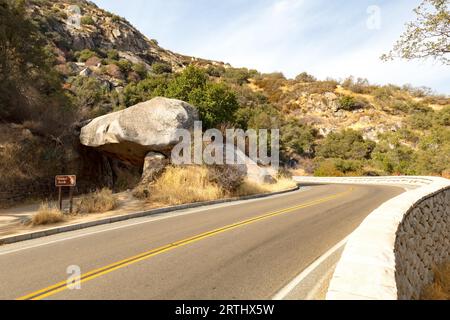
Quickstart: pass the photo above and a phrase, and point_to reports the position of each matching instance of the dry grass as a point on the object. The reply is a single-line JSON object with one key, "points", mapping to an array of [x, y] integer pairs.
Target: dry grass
{"points": [[251, 188], [47, 215], [440, 288], [179, 185], [97, 202]]}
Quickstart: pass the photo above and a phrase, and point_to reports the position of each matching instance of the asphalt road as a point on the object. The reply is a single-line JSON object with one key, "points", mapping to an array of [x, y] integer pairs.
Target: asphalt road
{"points": [[245, 250]]}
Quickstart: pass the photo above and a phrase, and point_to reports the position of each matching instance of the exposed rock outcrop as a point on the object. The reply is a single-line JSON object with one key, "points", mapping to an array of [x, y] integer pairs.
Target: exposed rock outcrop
{"points": [[132, 133], [154, 165]]}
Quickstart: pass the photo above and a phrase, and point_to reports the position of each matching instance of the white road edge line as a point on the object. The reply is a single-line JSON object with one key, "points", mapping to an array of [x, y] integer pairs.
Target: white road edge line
{"points": [[283, 293], [143, 220], [315, 290]]}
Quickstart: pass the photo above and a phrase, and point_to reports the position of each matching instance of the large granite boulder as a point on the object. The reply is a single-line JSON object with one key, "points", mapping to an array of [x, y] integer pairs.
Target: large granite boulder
{"points": [[131, 134], [249, 167]]}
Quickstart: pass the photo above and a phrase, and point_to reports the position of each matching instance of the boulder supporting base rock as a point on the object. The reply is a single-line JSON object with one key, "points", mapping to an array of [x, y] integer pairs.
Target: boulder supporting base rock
{"points": [[154, 165]]}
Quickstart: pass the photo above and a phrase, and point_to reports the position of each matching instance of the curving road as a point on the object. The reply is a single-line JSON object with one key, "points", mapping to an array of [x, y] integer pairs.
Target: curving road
{"points": [[243, 250]]}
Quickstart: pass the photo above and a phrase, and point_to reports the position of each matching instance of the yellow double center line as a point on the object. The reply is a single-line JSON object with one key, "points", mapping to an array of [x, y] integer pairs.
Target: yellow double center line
{"points": [[61, 286]]}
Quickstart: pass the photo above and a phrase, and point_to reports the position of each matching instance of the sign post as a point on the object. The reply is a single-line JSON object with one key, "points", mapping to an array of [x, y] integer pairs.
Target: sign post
{"points": [[65, 181]]}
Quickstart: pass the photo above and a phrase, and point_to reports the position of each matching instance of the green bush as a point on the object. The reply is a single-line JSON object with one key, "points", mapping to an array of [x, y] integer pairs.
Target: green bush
{"points": [[84, 55], [145, 90], [348, 144], [113, 54], [238, 76], [338, 168], [305, 77], [327, 168], [442, 117], [140, 69], [349, 103], [297, 137], [216, 104], [215, 71], [161, 68], [87, 20], [90, 93], [360, 86], [394, 159], [187, 83], [124, 65]]}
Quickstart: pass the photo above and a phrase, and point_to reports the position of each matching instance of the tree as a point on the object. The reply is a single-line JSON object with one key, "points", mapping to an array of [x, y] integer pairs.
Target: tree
{"points": [[305, 77], [427, 36], [30, 87], [186, 83], [216, 104], [297, 137], [348, 144]]}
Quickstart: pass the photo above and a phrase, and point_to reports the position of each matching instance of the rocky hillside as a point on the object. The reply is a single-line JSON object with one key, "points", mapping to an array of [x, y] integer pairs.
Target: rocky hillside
{"points": [[91, 42], [77, 25], [65, 62]]}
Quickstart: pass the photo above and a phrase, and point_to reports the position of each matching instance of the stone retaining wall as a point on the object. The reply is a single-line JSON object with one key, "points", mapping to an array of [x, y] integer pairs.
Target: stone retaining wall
{"points": [[391, 254], [423, 241]]}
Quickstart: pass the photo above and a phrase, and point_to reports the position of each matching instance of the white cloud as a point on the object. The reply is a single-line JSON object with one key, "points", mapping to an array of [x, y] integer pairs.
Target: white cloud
{"points": [[328, 39]]}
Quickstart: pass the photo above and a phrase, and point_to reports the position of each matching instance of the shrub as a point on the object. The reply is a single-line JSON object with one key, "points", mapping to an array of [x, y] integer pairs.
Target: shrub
{"points": [[360, 86], [47, 215], [88, 91], [191, 80], [349, 103], [394, 158], [87, 20], [305, 77], [113, 54], [84, 55], [161, 68], [338, 168], [327, 168], [321, 87], [97, 202], [348, 144], [146, 89], [124, 65], [116, 18], [420, 121], [215, 71], [140, 69], [442, 117], [216, 104], [237, 76], [383, 93], [297, 137], [229, 178]]}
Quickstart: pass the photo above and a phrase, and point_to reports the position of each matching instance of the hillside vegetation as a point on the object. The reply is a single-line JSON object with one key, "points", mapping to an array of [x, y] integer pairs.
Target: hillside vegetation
{"points": [[55, 76]]}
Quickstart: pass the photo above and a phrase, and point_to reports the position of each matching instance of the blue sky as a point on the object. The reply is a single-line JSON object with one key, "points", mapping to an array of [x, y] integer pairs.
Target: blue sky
{"points": [[323, 37]]}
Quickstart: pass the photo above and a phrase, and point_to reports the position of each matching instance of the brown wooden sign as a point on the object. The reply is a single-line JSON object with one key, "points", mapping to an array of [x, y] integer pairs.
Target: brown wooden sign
{"points": [[66, 181]]}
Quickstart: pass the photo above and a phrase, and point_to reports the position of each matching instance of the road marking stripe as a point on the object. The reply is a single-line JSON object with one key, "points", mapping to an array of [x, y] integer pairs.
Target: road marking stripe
{"points": [[147, 219], [312, 295], [283, 293], [61, 286]]}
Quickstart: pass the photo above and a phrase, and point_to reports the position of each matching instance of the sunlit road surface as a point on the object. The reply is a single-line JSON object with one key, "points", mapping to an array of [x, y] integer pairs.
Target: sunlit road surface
{"points": [[244, 250]]}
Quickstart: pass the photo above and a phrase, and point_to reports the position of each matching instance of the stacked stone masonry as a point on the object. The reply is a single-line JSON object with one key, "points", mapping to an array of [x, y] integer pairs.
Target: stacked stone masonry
{"points": [[423, 241], [391, 255]]}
